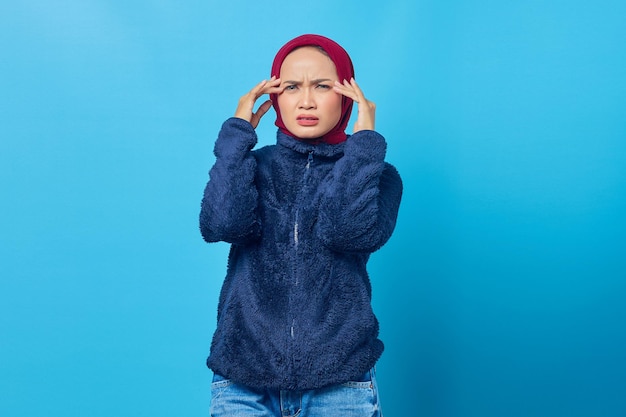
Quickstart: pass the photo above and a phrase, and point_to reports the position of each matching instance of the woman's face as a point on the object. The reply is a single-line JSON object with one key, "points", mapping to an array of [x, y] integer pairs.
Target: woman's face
{"points": [[309, 106]]}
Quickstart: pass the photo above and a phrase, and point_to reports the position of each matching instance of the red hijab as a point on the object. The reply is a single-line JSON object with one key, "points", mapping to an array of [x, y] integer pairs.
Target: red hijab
{"points": [[345, 71]]}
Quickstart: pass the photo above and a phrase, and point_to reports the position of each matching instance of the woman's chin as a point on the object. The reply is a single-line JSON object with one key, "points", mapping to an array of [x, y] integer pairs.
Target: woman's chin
{"points": [[307, 133]]}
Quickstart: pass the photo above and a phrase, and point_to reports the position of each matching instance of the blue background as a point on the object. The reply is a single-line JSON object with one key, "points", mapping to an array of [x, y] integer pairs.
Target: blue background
{"points": [[501, 292]]}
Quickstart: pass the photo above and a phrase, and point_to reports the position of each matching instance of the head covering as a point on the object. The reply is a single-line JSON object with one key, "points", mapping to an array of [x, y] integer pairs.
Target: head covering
{"points": [[345, 71]]}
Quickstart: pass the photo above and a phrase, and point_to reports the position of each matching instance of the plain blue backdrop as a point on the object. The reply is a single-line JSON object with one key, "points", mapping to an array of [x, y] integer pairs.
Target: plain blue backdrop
{"points": [[502, 292]]}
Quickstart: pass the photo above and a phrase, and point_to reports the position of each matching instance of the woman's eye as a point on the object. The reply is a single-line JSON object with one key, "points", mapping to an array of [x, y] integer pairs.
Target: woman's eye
{"points": [[323, 86], [290, 87]]}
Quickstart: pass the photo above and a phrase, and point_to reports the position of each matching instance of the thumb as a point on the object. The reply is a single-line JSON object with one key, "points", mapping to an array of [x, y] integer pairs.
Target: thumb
{"points": [[263, 108]]}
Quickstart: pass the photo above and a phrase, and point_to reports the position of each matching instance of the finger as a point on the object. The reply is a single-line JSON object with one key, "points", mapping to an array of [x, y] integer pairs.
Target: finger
{"points": [[246, 102], [271, 90], [357, 90], [350, 89], [265, 87], [259, 86], [354, 84], [257, 91], [263, 108], [274, 81], [271, 87], [347, 91]]}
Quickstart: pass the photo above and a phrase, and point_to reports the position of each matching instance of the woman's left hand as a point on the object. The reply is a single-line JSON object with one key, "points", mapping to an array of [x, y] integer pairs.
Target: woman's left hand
{"points": [[366, 109]]}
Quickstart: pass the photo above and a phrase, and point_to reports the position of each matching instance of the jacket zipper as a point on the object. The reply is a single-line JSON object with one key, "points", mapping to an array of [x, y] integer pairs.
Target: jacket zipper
{"points": [[306, 175], [295, 231]]}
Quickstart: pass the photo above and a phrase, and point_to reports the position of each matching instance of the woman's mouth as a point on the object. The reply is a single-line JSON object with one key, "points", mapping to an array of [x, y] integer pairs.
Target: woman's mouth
{"points": [[307, 120]]}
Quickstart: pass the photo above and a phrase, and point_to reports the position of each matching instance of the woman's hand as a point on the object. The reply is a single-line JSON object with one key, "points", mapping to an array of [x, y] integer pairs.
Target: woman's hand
{"points": [[246, 102], [366, 109]]}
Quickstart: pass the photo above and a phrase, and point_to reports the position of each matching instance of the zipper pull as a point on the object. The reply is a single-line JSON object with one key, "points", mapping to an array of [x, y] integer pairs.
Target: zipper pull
{"points": [[309, 160]]}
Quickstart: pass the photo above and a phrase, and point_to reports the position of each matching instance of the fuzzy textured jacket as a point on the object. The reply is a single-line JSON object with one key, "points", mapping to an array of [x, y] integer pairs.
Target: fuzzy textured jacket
{"points": [[295, 308]]}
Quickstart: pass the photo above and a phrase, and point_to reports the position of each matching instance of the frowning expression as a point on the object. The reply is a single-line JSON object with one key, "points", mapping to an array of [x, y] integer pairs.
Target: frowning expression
{"points": [[309, 106]]}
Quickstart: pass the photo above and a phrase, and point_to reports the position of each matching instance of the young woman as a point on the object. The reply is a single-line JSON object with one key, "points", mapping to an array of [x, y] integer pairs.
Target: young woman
{"points": [[296, 334]]}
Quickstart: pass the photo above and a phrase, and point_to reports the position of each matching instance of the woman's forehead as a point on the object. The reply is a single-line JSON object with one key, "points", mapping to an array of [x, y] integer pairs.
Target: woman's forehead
{"points": [[307, 60]]}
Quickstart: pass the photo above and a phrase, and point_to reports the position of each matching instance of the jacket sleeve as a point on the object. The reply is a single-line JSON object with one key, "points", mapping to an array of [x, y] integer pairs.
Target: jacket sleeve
{"points": [[229, 206], [361, 197]]}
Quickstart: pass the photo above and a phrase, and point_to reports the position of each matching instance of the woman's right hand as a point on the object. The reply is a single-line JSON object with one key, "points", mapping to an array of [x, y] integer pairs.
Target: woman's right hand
{"points": [[246, 102]]}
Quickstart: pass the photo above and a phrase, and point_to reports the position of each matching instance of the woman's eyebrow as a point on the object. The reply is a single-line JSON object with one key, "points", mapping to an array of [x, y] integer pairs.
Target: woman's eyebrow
{"points": [[317, 81]]}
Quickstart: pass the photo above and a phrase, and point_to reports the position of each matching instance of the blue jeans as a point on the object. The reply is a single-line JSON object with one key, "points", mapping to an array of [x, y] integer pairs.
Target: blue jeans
{"points": [[350, 399]]}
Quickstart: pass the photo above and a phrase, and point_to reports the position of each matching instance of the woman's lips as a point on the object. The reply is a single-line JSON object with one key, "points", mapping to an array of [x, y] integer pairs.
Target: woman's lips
{"points": [[307, 120]]}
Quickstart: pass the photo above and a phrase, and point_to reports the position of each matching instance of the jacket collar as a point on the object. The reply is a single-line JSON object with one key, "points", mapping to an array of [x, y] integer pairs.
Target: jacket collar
{"points": [[303, 147]]}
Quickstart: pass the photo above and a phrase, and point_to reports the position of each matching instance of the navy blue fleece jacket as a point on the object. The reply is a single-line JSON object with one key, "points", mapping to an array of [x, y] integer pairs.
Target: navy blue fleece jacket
{"points": [[302, 219]]}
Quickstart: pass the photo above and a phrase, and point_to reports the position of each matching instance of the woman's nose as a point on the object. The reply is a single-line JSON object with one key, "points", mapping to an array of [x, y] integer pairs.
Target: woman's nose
{"points": [[307, 100]]}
